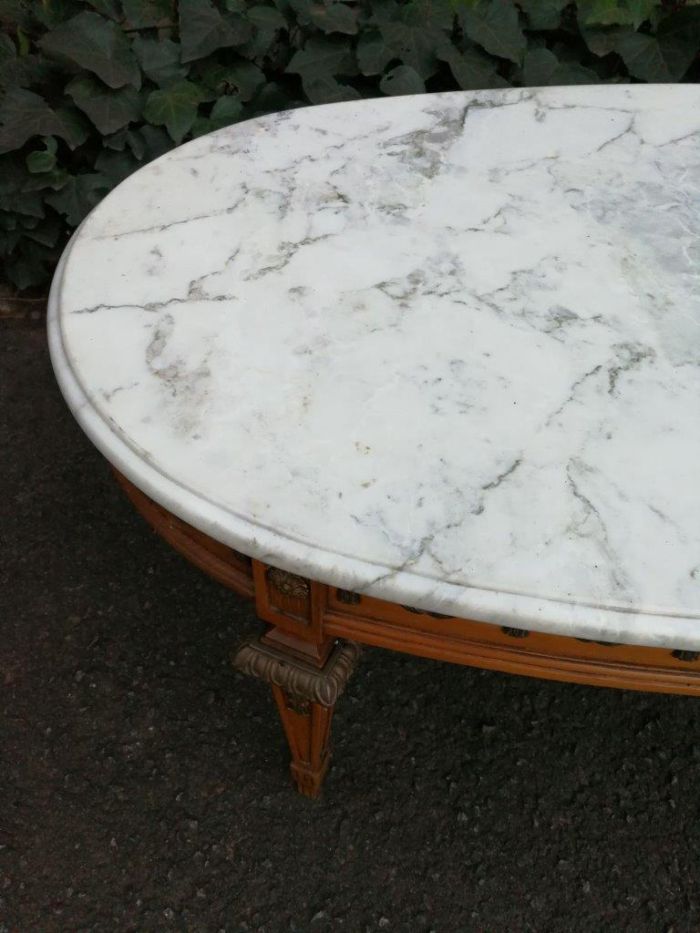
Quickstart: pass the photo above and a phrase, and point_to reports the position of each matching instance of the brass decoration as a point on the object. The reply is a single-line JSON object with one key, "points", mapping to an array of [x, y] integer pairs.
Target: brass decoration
{"points": [[347, 597], [685, 655], [298, 678], [605, 644], [514, 632], [297, 705], [289, 584], [426, 612]]}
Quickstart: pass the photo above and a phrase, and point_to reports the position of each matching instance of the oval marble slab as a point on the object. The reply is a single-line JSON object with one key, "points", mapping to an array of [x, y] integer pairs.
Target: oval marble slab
{"points": [[443, 350]]}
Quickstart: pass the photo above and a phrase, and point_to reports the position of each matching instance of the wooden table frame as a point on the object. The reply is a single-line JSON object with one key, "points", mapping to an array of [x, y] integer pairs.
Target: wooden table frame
{"points": [[310, 648]]}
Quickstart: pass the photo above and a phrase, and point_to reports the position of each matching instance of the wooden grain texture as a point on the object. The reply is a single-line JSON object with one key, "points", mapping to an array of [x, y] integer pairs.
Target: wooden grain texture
{"points": [[314, 617], [225, 565], [307, 727]]}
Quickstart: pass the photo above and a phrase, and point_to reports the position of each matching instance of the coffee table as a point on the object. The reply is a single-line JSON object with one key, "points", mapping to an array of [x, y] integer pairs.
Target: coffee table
{"points": [[420, 373]]}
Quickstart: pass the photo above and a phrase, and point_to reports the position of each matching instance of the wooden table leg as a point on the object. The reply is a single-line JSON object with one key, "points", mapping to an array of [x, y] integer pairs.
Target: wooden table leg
{"points": [[306, 695], [307, 726]]}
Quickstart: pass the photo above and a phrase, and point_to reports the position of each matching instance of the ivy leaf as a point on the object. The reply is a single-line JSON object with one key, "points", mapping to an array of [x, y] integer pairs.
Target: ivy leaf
{"points": [[22, 194], [200, 127], [160, 60], [89, 41], [246, 79], [29, 203], [641, 11], [50, 13], [373, 53], [30, 264], [679, 38], [264, 44], [325, 89], [417, 46], [383, 11], [646, 59], [116, 141], [602, 41], [432, 14], [54, 179], [25, 71], [47, 231], [266, 17], [323, 57], [108, 109], [7, 48], [544, 14], [203, 29], [615, 12], [643, 56], [402, 80], [273, 97], [494, 25], [74, 128], [665, 56], [132, 138], [300, 10], [175, 107], [155, 140], [136, 143], [243, 79], [542, 67], [144, 13], [473, 69], [40, 161], [115, 166], [336, 17], [15, 13], [226, 110], [12, 176], [78, 196], [43, 160], [600, 12], [24, 114], [108, 8]]}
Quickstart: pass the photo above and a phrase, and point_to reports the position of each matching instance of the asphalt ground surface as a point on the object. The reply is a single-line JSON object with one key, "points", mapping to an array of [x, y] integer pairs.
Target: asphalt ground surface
{"points": [[144, 783]]}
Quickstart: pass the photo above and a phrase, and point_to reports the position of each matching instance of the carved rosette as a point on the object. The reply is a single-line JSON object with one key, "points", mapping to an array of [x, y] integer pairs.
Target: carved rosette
{"points": [[298, 679], [288, 584]]}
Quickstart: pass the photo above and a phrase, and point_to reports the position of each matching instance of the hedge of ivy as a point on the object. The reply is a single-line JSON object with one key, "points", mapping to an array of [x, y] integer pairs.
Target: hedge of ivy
{"points": [[92, 89]]}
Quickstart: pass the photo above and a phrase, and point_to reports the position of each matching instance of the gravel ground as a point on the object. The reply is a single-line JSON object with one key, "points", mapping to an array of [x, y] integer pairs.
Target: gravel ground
{"points": [[145, 783]]}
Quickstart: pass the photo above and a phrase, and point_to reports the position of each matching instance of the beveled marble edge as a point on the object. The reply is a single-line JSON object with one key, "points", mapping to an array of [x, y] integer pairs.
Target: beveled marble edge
{"points": [[395, 585]]}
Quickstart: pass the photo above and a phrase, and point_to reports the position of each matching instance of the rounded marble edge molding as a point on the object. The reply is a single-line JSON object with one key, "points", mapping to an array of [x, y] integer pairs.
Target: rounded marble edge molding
{"points": [[635, 627]]}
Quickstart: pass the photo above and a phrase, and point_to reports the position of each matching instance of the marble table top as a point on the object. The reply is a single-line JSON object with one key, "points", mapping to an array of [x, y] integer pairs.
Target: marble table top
{"points": [[443, 350]]}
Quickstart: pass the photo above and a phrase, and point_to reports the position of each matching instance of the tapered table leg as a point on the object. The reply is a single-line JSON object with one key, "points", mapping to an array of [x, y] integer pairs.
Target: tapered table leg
{"points": [[307, 726], [306, 695]]}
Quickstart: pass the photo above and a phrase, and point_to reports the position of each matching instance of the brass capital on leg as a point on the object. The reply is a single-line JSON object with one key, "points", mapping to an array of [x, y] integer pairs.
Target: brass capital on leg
{"points": [[305, 695]]}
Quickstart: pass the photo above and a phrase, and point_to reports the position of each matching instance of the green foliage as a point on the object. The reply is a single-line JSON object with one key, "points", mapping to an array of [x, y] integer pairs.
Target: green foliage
{"points": [[89, 41], [92, 89]]}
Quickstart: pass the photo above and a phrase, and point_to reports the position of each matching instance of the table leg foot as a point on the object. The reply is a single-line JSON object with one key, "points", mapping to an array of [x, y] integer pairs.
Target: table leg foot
{"points": [[305, 695]]}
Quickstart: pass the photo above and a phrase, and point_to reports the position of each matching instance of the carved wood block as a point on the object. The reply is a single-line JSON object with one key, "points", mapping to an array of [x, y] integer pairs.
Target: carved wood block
{"points": [[299, 679], [290, 602]]}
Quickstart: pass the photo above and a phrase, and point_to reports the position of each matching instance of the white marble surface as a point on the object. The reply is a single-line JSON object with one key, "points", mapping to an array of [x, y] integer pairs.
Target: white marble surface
{"points": [[444, 350]]}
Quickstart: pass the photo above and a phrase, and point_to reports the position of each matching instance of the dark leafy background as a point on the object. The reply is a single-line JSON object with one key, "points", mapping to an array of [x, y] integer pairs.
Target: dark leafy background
{"points": [[92, 89]]}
